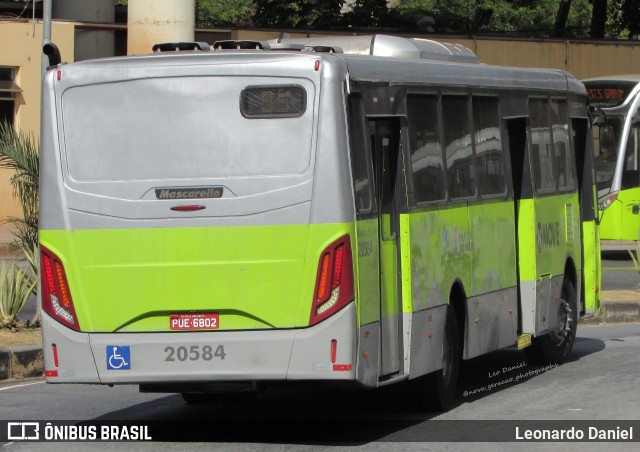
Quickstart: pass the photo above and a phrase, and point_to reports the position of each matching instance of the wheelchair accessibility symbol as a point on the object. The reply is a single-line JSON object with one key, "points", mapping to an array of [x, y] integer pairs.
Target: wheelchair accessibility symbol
{"points": [[118, 357]]}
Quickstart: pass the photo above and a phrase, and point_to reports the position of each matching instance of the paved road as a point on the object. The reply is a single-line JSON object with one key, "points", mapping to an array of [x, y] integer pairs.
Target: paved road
{"points": [[599, 382], [618, 271]]}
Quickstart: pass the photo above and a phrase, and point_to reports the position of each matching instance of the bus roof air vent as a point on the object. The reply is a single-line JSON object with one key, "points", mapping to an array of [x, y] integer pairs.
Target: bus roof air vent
{"points": [[240, 45], [180, 47], [285, 46], [323, 49]]}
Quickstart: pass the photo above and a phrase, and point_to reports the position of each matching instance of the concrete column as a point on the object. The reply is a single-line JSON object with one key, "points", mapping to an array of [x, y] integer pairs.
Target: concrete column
{"points": [[154, 21]]}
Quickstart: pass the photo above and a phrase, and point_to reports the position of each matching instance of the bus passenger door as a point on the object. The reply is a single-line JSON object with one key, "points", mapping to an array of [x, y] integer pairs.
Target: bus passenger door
{"points": [[385, 146], [591, 259], [525, 222]]}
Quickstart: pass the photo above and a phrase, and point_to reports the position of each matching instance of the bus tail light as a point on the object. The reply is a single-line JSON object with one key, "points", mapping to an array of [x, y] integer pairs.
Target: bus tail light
{"points": [[56, 296], [334, 283]]}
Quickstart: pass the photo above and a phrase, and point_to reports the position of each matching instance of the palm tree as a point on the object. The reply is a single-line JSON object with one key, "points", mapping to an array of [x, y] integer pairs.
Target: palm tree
{"points": [[19, 152]]}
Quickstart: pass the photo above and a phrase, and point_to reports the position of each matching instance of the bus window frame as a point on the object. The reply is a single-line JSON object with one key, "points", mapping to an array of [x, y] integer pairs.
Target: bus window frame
{"points": [[372, 211], [506, 174], [467, 95], [572, 150], [408, 164], [541, 191], [448, 199]]}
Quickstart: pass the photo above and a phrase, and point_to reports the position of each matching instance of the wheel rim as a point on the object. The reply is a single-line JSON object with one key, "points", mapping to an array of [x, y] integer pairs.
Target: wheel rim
{"points": [[565, 322]]}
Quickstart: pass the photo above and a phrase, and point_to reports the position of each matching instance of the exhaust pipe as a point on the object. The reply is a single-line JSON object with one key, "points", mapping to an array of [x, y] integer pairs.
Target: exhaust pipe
{"points": [[51, 50]]}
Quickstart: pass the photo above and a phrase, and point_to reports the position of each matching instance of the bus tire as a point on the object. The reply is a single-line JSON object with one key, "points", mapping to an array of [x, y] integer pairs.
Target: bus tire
{"points": [[437, 391], [555, 346]]}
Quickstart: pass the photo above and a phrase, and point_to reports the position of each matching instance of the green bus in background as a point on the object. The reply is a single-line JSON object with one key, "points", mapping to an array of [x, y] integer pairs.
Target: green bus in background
{"points": [[359, 211], [617, 157]]}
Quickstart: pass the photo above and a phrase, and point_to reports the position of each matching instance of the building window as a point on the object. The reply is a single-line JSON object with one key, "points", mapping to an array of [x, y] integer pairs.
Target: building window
{"points": [[8, 91]]}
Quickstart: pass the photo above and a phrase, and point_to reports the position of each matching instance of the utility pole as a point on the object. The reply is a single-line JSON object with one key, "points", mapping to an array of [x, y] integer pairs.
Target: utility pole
{"points": [[46, 31]]}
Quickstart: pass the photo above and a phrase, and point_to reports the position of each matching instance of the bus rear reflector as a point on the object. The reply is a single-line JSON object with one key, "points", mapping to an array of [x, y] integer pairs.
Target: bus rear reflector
{"points": [[334, 283], [54, 352], [56, 296]]}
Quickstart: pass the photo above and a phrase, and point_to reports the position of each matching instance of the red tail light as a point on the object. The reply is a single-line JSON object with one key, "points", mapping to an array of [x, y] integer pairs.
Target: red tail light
{"points": [[334, 283], [56, 296]]}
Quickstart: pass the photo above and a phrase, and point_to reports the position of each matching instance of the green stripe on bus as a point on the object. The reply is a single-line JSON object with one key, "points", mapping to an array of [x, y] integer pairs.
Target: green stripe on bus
{"points": [[255, 277]]}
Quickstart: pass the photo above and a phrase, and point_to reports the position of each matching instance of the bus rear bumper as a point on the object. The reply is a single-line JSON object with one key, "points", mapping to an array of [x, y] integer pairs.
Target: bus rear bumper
{"points": [[182, 357]]}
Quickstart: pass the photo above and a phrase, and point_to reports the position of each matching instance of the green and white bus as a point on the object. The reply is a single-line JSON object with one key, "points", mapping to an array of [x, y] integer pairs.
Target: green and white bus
{"points": [[360, 211], [617, 157]]}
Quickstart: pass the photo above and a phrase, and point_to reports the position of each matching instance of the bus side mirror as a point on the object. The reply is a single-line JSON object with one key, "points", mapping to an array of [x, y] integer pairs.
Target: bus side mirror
{"points": [[608, 139], [598, 117]]}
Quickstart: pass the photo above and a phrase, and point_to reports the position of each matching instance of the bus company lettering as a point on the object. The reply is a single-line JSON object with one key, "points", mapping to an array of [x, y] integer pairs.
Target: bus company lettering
{"points": [[455, 242], [189, 193], [548, 235]]}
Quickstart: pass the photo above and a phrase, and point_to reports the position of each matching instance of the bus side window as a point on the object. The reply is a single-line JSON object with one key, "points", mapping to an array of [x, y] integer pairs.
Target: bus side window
{"points": [[425, 148], [461, 175], [541, 145], [489, 156], [360, 162], [562, 145]]}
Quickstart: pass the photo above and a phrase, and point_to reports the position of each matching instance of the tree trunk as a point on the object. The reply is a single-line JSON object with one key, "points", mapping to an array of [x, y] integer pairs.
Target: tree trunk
{"points": [[598, 18], [561, 18]]}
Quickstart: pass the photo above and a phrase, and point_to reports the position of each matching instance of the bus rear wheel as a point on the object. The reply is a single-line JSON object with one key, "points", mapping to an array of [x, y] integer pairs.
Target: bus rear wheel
{"points": [[555, 346], [437, 390]]}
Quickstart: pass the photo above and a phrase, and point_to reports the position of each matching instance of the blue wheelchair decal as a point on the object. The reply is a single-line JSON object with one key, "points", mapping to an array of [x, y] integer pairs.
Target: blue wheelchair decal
{"points": [[118, 357]]}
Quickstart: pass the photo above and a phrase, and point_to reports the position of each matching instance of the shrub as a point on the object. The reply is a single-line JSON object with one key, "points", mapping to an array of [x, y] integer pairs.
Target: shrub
{"points": [[15, 289]]}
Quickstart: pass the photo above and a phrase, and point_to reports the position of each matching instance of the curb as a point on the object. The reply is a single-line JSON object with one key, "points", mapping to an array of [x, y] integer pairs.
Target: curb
{"points": [[620, 311], [21, 361]]}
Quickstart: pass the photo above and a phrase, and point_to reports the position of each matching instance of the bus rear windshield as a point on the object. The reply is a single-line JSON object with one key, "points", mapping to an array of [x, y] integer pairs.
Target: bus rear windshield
{"points": [[182, 128]]}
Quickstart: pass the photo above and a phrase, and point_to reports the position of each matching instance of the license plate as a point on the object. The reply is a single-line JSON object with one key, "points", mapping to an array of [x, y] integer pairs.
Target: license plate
{"points": [[208, 321]]}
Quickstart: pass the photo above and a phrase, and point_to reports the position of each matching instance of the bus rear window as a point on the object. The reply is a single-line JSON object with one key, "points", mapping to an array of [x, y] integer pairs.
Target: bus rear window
{"points": [[185, 128], [273, 102]]}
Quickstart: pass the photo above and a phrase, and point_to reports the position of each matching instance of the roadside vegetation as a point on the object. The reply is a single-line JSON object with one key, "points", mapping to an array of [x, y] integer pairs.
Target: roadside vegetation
{"points": [[19, 152]]}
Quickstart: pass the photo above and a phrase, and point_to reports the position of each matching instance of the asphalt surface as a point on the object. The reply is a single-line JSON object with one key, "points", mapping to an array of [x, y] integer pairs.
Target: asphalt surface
{"points": [[619, 271]]}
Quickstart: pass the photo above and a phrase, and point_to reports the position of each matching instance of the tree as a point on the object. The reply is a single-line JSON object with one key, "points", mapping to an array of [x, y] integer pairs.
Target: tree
{"points": [[20, 152], [631, 17], [297, 13], [561, 18], [224, 13], [367, 13], [598, 18], [531, 17]]}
